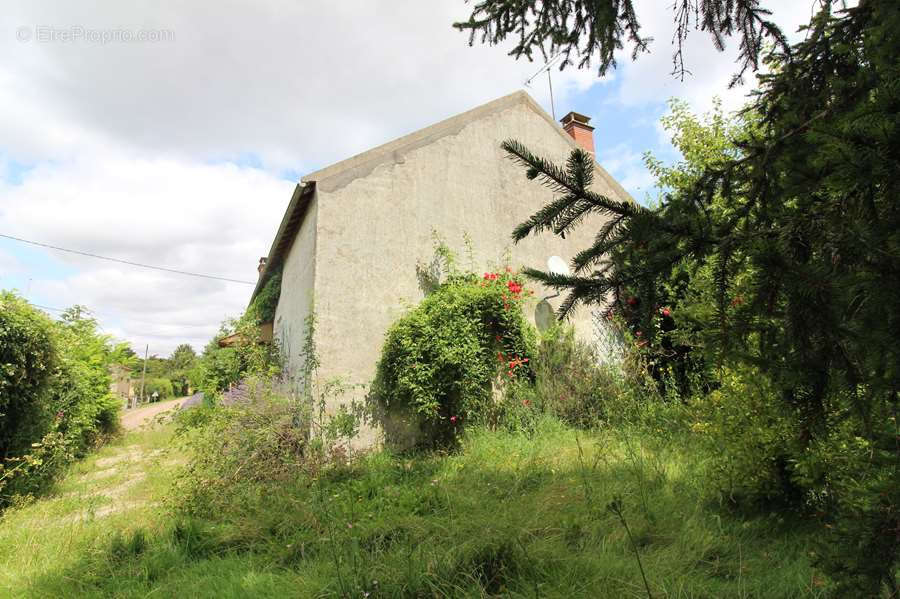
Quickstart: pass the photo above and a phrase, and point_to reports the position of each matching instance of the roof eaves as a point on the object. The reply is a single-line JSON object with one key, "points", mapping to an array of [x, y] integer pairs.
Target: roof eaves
{"points": [[287, 231]]}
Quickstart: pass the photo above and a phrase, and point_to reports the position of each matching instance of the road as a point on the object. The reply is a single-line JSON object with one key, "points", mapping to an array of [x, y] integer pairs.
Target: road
{"points": [[134, 418]]}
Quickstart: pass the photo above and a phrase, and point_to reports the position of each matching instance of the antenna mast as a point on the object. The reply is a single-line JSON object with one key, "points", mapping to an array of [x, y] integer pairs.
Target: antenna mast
{"points": [[546, 67]]}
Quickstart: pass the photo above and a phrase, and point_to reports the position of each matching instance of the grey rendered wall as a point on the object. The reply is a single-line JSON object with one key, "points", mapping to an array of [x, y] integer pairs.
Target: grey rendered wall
{"points": [[297, 293], [372, 229]]}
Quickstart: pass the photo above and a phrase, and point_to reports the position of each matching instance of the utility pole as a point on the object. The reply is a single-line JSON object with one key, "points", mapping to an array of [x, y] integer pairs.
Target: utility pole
{"points": [[144, 374]]}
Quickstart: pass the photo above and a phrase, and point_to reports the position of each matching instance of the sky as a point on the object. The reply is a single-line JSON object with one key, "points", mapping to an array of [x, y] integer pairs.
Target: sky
{"points": [[172, 134]]}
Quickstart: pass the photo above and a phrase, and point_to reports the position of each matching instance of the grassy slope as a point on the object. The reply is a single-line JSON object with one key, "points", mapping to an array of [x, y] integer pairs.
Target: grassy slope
{"points": [[511, 514], [111, 490]]}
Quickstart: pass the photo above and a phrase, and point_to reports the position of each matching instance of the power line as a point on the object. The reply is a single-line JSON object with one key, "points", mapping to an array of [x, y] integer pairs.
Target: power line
{"points": [[162, 268]]}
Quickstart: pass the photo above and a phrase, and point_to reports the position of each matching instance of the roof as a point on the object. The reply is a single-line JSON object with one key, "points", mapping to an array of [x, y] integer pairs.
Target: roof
{"points": [[341, 173], [287, 232], [265, 336]]}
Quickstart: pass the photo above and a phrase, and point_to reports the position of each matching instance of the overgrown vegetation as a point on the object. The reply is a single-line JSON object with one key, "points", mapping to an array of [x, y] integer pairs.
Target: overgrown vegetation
{"points": [[552, 498], [794, 225], [54, 394], [513, 514], [220, 368], [744, 444], [441, 361], [573, 385]]}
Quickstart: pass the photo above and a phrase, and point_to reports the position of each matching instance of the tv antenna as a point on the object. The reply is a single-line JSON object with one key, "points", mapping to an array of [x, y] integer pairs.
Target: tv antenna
{"points": [[546, 67]]}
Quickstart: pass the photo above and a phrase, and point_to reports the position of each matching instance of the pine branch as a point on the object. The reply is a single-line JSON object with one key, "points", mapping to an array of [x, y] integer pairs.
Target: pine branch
{"points": [[586, 30], [573, 181]]}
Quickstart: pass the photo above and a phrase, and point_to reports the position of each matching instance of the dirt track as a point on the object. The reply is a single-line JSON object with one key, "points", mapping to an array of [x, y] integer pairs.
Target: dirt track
{"points": [[132, 419]]}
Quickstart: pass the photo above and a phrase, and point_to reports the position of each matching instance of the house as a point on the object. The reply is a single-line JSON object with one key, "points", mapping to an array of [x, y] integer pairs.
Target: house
{"points": [[265, 336], [120, 383], [353, 232]]}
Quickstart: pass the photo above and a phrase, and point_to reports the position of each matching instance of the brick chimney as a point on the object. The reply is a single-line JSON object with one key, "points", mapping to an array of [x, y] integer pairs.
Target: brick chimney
{"points": [[577, 126], [262, 265]]}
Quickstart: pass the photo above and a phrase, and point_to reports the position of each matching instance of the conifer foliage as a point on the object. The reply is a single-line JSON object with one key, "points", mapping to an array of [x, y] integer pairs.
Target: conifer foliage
{"points": [[581, 30], [805, 213]]}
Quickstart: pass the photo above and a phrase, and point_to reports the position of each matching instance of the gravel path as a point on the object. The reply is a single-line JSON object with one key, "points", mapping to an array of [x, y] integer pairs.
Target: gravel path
{"points": [[132, 419]]}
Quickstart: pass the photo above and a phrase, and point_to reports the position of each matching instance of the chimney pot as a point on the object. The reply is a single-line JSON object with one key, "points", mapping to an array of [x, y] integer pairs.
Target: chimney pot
{"points": [[262, 265], [576, 125]]}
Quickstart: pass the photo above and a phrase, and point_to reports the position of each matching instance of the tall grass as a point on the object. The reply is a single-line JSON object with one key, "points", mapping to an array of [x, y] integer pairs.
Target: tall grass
{"points": [[511, 514]]}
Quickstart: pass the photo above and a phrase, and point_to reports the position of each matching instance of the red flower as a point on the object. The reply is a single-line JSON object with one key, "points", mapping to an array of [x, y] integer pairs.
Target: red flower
{"points": [[517, 362], [453, 419], [665, 312]]}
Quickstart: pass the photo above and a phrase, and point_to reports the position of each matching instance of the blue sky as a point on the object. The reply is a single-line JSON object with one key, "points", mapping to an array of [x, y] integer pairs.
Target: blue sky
{"points": [[183, 153]]}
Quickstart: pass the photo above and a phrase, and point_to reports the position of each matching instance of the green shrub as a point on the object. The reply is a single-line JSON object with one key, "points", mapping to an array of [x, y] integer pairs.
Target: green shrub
{"points": [[267, 438], [27, 361], [220, 367], [187, 419], [62, 407], [569, 382], [163, 387], [763, 458], [751, 438], [264, 304], [852, 482], [86, 410], [439, 361], [235, 446]]}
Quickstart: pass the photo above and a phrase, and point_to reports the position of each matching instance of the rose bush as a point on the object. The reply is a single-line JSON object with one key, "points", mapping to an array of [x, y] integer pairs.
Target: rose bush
{"points": [[439, 361]]}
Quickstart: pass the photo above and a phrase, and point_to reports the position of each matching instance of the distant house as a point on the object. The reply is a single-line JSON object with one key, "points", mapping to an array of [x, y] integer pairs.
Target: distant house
{"points": [[353, 232], [265, 336], [120, 381]]}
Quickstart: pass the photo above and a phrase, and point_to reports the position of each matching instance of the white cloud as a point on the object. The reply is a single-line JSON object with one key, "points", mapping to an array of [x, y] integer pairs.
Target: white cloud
{"points": [[134, 145], [297, 83], [210, 219]]}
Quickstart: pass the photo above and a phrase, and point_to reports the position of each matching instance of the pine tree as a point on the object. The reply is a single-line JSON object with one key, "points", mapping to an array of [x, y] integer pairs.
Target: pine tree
{"points": [[581, 30], [806, 212]]}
